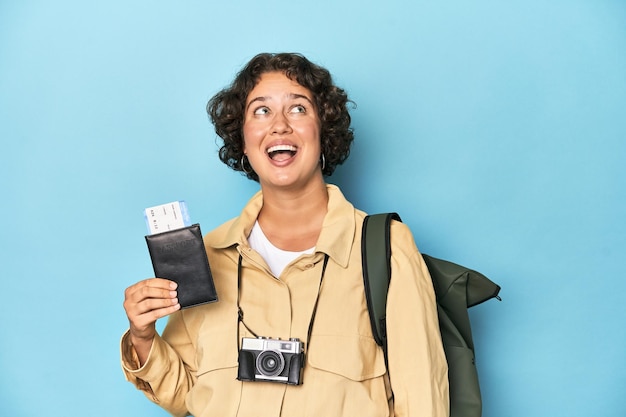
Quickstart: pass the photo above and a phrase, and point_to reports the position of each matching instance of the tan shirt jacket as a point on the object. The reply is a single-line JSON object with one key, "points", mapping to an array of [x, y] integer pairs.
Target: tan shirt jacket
{"points": [[192, 367]]}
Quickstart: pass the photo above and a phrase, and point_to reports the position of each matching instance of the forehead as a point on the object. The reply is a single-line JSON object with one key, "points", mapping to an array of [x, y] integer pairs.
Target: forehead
{"points": [[277, 85]]}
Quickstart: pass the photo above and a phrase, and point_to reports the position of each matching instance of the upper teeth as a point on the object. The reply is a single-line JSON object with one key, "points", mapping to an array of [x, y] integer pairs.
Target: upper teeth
{"points": [[281, 148]]}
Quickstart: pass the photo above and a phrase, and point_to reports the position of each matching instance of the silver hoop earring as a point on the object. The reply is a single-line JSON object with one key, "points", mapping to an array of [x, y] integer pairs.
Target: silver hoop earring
{"points": [[243, 165], [323, 162]]}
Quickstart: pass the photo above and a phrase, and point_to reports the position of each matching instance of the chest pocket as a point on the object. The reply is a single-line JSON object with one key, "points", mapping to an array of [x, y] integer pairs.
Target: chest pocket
{"points": [[354, 357], [216, 351]]}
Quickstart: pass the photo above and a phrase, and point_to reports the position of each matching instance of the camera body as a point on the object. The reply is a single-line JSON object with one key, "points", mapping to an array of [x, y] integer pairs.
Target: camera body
{"points": [[273, 360]]}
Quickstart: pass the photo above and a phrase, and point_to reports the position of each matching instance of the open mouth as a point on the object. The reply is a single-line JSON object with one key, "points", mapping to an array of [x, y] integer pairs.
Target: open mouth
{"points": [[281, 152]]}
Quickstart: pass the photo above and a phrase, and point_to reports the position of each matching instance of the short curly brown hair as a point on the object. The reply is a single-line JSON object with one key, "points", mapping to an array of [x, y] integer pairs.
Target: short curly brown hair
{"points": [[226, 109]]}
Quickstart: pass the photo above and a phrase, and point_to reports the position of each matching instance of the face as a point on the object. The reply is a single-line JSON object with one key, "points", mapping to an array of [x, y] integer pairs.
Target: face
{"points": [[281, 132]]}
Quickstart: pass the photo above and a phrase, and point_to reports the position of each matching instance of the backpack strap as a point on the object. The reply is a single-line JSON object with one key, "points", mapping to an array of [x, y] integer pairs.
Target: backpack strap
{"points": [[456, 287], [375, 256]]}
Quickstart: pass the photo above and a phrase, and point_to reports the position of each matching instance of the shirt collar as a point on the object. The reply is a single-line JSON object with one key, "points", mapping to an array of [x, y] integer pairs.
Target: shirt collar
{"points": [[338, 228]]}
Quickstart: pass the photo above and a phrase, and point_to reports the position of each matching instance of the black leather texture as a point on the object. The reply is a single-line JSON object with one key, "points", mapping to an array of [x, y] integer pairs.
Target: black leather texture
{"points": [[179, 255]]}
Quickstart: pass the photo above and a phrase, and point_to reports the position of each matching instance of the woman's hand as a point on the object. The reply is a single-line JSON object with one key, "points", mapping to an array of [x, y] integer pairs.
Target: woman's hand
{"points": [[145, 303]]}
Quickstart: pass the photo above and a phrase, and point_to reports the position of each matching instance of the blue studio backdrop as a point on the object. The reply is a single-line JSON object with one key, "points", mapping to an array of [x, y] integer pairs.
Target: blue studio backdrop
{"points": [[496, 129]]}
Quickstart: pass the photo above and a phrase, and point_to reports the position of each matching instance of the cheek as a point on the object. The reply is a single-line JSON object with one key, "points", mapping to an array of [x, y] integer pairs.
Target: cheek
{"points": [[251, 134], [311, 131]]}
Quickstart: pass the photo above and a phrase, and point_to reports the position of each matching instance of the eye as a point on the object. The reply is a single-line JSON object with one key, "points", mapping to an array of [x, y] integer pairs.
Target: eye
{"points": [[261, 111], [298, 109]]}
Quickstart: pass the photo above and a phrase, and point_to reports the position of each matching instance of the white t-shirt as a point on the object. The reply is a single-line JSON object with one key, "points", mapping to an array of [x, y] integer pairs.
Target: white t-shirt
{"points": [[277, 259]]}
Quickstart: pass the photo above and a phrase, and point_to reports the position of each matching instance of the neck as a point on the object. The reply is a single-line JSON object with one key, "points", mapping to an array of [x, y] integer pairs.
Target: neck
{"points": [[292, 220]]}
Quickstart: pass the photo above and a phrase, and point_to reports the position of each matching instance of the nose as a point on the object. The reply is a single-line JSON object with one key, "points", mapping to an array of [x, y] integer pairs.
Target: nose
{"points": [[281, 124]]}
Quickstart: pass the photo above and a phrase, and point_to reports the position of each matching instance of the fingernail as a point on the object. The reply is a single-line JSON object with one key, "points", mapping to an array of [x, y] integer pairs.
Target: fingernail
{"points": [[173, 285], [172, 293]]}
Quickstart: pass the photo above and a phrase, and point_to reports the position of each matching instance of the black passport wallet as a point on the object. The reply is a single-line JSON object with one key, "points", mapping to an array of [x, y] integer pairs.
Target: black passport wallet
{"points": [[179, 255]]}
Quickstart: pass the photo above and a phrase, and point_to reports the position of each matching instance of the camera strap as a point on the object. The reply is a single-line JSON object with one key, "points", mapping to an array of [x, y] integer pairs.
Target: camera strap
{"points": [[240, 310]]}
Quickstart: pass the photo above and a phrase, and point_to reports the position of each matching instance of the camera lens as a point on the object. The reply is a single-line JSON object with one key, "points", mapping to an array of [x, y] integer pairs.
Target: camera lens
{"points": [[270, 363]]}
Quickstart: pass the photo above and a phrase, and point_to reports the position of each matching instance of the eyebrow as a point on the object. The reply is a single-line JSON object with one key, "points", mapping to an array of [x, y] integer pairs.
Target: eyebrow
{"points": [[292, 96]]}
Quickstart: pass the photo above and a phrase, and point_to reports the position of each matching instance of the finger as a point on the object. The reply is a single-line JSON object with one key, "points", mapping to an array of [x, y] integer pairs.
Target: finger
{"points": [[144, 323], [154, 283], [149, 304], [145, 313], [147, 299], [142, 298], [150, 289], [162, 283]]}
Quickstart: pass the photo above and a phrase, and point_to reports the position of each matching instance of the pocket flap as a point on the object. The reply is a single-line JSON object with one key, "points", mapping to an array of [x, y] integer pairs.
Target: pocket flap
{"points": [[215, 352], [355, 357]]}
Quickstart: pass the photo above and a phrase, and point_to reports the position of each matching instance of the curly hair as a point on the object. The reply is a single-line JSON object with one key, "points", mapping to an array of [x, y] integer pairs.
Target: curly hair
{"points": [[226, 108]]}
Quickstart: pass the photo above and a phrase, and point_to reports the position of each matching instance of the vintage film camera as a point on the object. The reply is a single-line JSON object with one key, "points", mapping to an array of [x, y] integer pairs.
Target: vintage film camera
{"points": [[273, 360]]}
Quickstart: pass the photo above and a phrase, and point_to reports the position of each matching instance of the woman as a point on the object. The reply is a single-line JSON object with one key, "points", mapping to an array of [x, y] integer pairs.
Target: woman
{"points": [[289, 268]]}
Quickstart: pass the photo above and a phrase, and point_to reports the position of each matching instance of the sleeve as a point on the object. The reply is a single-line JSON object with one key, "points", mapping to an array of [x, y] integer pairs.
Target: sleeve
{"points": [[169, 372], [418, 370]]}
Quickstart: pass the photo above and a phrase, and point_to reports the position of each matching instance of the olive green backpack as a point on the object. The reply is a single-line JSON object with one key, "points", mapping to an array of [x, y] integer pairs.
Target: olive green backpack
{"points": [[456, 288]]}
